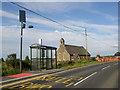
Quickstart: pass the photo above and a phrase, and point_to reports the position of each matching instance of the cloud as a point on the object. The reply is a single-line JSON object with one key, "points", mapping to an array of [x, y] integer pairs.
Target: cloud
{"points": [[64, 7], [76, 25], [11, 40], [62, 0], [8, 14], [94, 28], [47, 7], [102, 33], [55, 7], [107, 16]]}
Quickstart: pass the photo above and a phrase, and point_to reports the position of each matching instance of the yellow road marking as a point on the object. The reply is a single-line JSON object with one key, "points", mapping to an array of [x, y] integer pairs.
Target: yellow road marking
{"points": [[30, 85], [22, 85], [57, 78], [69, 84], [22, 81], [76, 78], [60, 79], [67, 80], [46, 86], [49, 77], [80, 78]]}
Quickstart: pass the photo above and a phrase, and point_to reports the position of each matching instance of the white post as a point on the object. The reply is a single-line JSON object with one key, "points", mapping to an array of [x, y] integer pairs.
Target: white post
{"points": [[86, 41]]}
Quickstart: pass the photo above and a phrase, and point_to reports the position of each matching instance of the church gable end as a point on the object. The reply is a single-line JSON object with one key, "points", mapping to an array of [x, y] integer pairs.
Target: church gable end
{"points": [[62, 54], [68, 52]]}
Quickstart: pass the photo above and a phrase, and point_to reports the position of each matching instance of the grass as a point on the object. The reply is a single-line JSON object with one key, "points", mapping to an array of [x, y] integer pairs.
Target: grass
{"points": [[11, 67], [78, 64]]}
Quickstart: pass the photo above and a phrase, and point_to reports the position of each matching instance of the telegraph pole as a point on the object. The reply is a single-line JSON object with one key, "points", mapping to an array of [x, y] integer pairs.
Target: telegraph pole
{"points": [[86, 41]]}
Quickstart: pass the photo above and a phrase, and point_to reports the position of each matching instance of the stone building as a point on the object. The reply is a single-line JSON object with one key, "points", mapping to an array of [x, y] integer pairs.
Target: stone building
{"points": [[70, 52]]}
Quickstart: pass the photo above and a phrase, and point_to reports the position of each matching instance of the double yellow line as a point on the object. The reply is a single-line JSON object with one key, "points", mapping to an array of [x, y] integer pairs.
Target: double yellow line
{"points": [[22, 81]]}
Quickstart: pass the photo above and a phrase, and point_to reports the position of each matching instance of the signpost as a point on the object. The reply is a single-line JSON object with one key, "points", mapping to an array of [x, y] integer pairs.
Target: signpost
{"points": [[22, 19]]}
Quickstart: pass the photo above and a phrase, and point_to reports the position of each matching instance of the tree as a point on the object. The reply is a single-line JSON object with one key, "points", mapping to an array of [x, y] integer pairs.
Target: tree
{"points": [[27, 60], [26, 63], [117, 54], [1, 59], [11, 56], [98, 56]]}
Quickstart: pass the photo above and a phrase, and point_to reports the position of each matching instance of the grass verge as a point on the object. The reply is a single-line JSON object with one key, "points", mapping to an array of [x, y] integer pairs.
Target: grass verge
{"points": [[78, 64]]}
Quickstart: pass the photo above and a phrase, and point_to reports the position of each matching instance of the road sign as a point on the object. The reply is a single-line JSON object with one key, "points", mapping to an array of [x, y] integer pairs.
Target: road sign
{"points": [[22, 16]]}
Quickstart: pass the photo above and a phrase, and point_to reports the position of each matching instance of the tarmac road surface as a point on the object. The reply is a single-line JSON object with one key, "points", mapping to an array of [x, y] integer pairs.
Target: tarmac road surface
{"points": [[104, 75]]}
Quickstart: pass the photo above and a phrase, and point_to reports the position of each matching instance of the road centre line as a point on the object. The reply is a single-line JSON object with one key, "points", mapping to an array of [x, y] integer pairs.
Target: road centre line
{"points": [[30, 79], [106, 67], [49, 77], [85, 78], [42, 73]]}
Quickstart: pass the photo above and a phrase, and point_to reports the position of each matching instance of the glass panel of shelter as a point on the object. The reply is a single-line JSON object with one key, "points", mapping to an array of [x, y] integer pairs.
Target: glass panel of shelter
{"points": [[43, 57]]}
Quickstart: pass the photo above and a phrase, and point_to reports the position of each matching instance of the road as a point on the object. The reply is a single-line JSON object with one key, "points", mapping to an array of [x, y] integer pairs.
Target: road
{"points": [[103, 75]]}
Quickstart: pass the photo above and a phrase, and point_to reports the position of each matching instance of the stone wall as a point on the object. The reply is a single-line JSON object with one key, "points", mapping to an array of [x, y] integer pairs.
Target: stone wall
{"points": [[62, 54]]}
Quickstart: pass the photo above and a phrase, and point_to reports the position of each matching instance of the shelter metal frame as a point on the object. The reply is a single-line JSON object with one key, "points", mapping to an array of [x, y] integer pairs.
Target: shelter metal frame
{"points": [[44, 58]]}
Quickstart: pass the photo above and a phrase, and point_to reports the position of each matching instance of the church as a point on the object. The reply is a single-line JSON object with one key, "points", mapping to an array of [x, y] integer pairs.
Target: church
{"points": [[70, 52]]}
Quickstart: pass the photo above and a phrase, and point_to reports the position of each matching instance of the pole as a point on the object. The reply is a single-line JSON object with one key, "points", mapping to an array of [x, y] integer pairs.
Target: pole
{"points": [[86, 41], [37, 58], [40, 53], [41, 42], [47, 66], [40, 57], [21, 47], [56, 58], [51, 59], [31, 58]]}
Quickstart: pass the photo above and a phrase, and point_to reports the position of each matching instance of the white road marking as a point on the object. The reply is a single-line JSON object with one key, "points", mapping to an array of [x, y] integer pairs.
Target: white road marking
{"points": [[105, 67], [85, 78], [20, 78]]}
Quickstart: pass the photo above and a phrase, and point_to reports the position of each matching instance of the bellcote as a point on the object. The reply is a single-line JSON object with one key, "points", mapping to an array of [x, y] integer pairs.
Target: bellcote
{"points": [[62, 41]]}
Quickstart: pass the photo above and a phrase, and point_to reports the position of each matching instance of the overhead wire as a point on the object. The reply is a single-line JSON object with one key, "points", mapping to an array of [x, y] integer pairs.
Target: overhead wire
{"points": [[55, 21]]}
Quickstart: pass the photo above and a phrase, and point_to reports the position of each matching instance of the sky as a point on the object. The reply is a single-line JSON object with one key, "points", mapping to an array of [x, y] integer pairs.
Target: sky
{"points": [[100, 19]]}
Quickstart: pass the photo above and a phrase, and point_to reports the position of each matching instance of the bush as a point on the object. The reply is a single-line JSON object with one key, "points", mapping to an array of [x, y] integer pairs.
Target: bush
{"points": [[70, 63], [92, 59], [27, 60], [9, 71], [25, 66], [14, 63], [1, 60], [117, 54], [12, 66]]}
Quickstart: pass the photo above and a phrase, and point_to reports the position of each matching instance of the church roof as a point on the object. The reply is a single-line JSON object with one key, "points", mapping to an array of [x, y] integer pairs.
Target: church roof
{"points": [[80, 50]]}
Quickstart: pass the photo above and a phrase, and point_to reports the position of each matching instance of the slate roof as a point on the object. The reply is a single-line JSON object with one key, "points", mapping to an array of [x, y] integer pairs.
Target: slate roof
{"points": [[80, 50]]}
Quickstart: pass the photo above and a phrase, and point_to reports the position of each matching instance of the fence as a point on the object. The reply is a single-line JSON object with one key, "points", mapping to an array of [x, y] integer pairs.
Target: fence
{"points": [[107, 59]]}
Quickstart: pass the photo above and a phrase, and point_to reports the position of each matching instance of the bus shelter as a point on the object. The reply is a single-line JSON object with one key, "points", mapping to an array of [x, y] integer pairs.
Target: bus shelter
{"points": [[43, 57]]}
